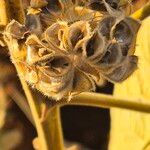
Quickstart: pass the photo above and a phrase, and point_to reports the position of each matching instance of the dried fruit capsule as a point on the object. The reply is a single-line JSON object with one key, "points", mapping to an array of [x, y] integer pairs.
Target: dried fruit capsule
{"points": [[71, 50]]}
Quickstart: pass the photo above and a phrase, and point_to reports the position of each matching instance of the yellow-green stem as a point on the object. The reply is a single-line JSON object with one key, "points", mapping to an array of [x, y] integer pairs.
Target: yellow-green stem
{"points": [[48, 129], [108, 101]]}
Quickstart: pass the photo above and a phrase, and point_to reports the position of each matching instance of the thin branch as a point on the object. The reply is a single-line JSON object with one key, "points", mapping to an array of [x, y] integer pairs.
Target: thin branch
{"points": [[49, 131], [108, 101]]}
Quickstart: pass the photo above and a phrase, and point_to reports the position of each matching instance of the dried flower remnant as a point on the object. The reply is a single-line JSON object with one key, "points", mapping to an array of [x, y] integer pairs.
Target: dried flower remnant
{"points": [[38, 3], [101, 5], [73, 49]]}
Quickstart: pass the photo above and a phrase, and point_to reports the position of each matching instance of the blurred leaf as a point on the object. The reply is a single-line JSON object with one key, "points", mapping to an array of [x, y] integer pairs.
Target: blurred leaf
{"points": [[3, 14], [3, 106]]}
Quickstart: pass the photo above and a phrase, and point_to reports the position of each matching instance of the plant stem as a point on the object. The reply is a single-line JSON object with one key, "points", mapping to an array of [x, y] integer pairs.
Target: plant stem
{"points": [[108, 101], [142, 13], [48, 128], [51, 121]]}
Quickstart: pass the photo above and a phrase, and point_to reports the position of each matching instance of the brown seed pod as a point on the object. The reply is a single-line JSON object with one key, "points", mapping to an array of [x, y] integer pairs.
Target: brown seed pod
{"points": [[74, 51]]}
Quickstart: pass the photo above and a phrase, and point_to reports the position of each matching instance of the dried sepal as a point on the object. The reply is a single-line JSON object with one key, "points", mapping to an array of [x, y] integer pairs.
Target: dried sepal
{"points": [[77, 34], [94, 47], [106, 25], [124, 32], [56, 66], [55, 5], [38, 3], [82, 82], [91, 70], [36, 50], [124, 70], [102, 5], [54, 75], [12, 38], [32, 11], [111, 57], [33, 24], [126, 26], [54, 34], [97, 5], [16, 30]]}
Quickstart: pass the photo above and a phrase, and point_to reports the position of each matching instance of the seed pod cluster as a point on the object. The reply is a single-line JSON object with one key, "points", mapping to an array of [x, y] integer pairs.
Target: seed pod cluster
{"points": [[74, 48]]}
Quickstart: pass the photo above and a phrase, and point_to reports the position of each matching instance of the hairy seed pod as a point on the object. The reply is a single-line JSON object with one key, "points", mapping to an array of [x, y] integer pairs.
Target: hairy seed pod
{"points": [[74, 49]]}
